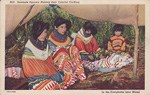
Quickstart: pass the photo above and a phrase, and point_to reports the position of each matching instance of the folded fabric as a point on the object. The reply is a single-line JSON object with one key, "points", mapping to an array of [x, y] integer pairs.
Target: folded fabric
{"points": [[13, 72], [110, 63], [36, 80]]}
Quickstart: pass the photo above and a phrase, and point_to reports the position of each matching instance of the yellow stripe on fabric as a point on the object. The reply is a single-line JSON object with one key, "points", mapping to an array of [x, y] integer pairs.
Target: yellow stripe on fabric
{"points": [[80, 37], [67, 42]]}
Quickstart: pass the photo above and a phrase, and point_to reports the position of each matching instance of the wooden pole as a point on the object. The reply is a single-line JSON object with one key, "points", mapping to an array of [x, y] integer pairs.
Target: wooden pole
{"points": [[136, 51], [136, 47]]}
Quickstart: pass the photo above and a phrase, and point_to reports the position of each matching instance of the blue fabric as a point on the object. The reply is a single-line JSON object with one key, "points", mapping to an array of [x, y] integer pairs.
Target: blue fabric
{"points": [[84, 56], [107, 69], [60, 36], [35, 80], [27, 49], [52, 46], [59, 77]]}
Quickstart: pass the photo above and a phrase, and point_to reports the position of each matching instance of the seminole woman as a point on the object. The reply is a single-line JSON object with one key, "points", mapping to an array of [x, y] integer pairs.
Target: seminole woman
{"points": [[38, 66], [66, 56]]}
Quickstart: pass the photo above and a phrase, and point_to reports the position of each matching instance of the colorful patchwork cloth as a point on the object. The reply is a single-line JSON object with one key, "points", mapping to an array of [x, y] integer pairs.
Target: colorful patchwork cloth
{"points": [[13, 72], [44, 82], [47, 85], [69, 61], [38, 68], [110, 63]]}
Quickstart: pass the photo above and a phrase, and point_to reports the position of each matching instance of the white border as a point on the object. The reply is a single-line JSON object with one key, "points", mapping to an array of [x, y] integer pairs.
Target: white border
{"points": [[76, 92]]}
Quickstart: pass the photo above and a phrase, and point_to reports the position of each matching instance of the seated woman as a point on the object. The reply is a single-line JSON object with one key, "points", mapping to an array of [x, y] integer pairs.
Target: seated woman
{"points": [[86, 43], [37, 61], [66, 57]]}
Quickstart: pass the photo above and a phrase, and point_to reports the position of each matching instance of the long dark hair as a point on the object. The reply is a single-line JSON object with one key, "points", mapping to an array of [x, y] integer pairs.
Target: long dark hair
{"points": [[38, 28], [59, 21], [118, 27], [89, 26]]}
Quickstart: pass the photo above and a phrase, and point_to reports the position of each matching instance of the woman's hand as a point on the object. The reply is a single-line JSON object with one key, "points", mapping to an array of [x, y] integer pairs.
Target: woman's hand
{"points": [[91, 57]]}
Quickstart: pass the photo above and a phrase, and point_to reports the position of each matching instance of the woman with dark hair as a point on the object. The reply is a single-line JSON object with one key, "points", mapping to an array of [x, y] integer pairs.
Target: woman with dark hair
{"points": [[66, 57], [37, 61], [85, 41]]}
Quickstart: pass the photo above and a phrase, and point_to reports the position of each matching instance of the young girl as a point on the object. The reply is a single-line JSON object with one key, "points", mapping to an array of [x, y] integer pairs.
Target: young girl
{"points": [[117, 42], [116, 46], [66, 57]]}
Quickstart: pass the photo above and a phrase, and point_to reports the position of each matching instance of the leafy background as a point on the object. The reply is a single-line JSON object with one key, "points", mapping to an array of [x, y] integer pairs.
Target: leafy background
{"points": [[104, 28]]}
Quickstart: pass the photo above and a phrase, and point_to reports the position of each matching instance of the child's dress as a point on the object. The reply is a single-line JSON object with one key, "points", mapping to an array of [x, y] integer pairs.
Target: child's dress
{"points": [[116, 43]]}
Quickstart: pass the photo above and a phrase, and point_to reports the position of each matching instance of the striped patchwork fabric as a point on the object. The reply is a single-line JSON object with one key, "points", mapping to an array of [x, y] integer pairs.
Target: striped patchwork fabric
{"points": [[69, 79], [92, 65], [47, 85], [82, 76], [119, 60], [13, 72], [80, 73], [77, 63], [30, 51], [70, 62], [72, 80], [64, 64], [112, 62], [50, 86]]}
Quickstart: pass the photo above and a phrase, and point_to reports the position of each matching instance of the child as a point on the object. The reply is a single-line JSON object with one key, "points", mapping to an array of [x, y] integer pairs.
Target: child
{"points": [[85, 41], [117, 42]]}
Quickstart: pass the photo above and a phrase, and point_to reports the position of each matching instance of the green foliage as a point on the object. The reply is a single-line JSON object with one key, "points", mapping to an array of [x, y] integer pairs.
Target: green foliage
{"points": [[142, 34], [104, 28], [129, 34], [104, 33]]}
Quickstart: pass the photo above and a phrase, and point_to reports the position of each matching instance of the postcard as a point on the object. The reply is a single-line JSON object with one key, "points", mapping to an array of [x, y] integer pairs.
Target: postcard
{"points": [[77, 47]]}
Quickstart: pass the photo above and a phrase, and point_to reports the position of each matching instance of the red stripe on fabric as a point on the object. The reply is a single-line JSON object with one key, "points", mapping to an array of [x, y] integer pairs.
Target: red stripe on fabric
{"points": [[56, 39], [117, 39], [53, 85], [6, 71], [107, 63], [13, 72], [59, 51], [34, 67], [48, 86]]}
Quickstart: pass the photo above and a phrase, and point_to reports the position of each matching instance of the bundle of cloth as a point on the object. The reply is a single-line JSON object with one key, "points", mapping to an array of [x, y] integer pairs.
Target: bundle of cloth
{"points": [[113, 62]]}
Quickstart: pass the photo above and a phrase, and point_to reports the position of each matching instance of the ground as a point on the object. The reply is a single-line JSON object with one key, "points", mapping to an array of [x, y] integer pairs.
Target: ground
{"points": [[120, 79]]}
